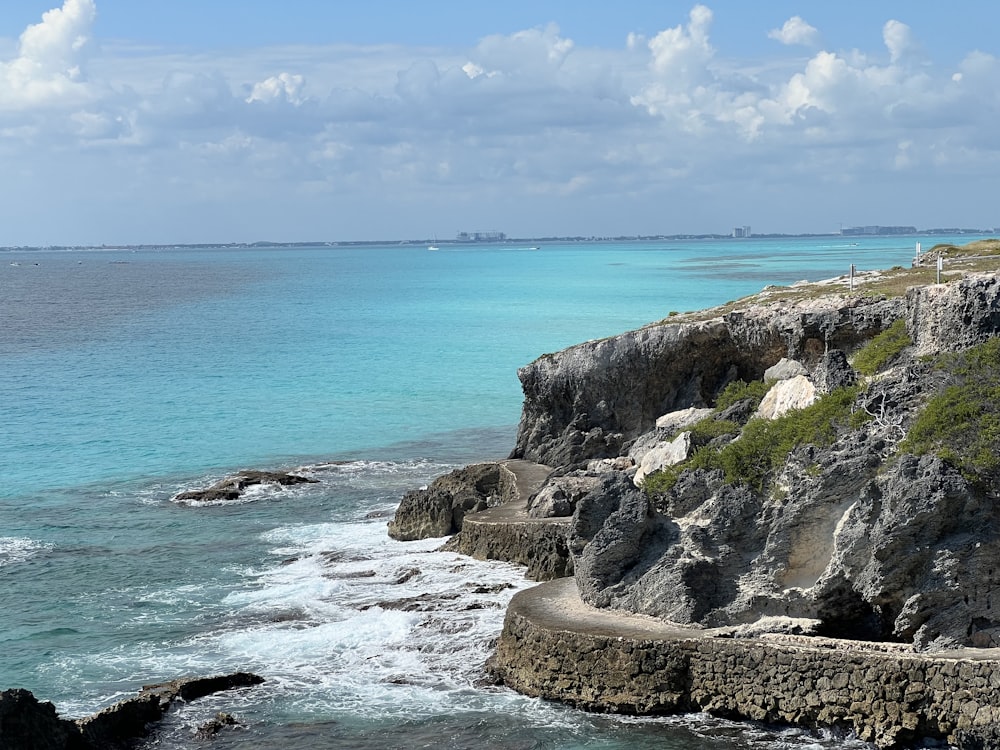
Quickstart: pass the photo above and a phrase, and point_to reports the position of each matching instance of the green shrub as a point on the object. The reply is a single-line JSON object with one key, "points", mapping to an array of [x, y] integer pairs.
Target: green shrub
{"points": [[882, 349], [739, 390], [708, 429], [961, 423], [764, 445]]}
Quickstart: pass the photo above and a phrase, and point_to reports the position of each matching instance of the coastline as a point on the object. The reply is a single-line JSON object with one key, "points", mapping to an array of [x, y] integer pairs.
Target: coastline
{"points": [[556, 644]]}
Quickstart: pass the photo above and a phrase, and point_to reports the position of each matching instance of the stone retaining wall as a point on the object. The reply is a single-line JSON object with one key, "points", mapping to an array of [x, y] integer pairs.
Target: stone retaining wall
{"points": [[885, 693]]}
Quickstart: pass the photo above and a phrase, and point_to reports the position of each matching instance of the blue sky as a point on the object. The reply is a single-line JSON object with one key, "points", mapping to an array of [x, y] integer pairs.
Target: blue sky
{"points": [[136, 122]]}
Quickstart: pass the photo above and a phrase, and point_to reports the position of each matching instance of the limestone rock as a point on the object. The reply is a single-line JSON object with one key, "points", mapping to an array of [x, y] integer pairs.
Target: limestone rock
{"points": [[559, 496], [615, 537], [795, 393], [439, 510], [662, 455], [211, 728], [953, 316], [785, 369], [593, 399], [28, 724], [678, 420], [833, 372]]}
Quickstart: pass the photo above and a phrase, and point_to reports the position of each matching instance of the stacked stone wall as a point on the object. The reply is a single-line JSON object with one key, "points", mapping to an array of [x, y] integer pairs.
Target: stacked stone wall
{"points": [[884, 693]]}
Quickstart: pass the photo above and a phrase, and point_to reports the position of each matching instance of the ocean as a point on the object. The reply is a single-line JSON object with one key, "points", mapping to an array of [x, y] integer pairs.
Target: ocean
{"points": [[129, 376]]}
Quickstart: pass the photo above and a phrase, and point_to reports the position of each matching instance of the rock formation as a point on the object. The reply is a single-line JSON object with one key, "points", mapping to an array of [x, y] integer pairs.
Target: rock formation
{"points": [[594, 399], [29, 724], [825, 469], [849, 534], [231, 488], [439, 509]]}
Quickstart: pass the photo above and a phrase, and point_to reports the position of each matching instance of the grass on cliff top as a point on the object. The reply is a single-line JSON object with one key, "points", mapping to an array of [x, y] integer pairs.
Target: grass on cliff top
{"points": [[979, 256], [764, 445], [961, 422]]}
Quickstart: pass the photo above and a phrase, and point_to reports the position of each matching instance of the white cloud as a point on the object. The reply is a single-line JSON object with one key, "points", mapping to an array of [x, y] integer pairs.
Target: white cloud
{"points": [[286, 87], [462, 130], [795, 31], [528, 51], [680, 52], [49, 66], [898, 40]]}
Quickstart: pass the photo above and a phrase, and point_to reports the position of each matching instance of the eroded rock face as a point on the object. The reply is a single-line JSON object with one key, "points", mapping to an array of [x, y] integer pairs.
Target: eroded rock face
{"points": [[439, 510], [855, 540], [954, 316], [592, 400], [559, 496]]}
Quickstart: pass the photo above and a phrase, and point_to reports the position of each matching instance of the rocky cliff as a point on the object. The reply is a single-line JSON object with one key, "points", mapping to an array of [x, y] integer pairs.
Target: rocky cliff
{"points": [[594, 399], [818, 513]]}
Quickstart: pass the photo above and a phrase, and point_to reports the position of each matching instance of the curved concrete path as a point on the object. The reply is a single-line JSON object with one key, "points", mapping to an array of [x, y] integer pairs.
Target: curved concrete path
{"points": [[528, 479], [506, 532]]}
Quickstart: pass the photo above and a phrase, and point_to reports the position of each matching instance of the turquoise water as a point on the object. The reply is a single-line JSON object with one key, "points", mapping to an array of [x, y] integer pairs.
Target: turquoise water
{"points": [[129, 376]]}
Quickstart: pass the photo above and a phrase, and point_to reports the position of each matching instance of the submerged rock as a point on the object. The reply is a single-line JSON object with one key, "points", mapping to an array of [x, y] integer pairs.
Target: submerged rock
{"points": [[211, 728], [231, 488]]}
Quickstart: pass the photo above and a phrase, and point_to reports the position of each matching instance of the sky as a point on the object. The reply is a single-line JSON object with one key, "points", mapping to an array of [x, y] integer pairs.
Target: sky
{"points": [[125, 122]]}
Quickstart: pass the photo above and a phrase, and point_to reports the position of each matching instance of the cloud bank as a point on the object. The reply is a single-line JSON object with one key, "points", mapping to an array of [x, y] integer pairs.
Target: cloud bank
{"points": [[529, 132]]}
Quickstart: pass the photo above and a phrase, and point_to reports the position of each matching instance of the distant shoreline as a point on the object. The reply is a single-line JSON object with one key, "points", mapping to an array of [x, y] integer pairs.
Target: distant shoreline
{"points": [[507, 242]]}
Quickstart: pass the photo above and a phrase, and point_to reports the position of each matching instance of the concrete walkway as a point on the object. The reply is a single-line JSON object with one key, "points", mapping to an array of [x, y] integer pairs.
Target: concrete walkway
{"points": [[528, 479]]}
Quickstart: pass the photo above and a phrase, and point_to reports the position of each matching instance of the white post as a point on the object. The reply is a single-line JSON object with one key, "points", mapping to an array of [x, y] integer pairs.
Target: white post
{"points": [[916, 257], [939, 267]]}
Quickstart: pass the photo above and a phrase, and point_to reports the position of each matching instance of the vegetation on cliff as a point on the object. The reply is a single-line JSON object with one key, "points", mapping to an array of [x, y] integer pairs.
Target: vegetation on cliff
{"points": [[764, 444], [882, 349], [961, 422]]}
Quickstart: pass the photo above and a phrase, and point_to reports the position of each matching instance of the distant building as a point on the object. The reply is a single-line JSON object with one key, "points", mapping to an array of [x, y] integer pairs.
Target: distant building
{"points": [[742, 231], [490, 236], [878, 230]]}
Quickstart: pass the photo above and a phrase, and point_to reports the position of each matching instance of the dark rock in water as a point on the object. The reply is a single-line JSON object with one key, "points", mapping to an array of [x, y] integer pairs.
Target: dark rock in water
{"points": [[407, 574], [420, 603], [211, 728], [232, 487], [439, 510], [27, 724]]}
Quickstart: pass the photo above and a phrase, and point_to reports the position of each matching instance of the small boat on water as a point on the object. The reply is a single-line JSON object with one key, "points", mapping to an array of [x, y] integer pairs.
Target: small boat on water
{"points": [[433, 247]]}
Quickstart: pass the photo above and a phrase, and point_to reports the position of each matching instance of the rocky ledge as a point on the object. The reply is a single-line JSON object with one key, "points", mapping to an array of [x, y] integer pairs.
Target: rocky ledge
{"points": [[29, 724]]}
